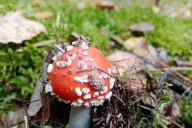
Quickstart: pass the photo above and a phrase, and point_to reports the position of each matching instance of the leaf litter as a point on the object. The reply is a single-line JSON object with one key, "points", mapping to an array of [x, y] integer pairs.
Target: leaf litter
{"points": [[16, 29]]}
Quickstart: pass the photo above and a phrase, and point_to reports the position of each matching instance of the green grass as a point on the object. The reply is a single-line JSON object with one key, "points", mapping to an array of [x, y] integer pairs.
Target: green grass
{"points": [[21, 70]]}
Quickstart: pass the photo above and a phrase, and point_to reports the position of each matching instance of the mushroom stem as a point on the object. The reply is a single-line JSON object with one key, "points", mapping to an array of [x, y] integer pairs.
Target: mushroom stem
{"points": [[80, 117]]}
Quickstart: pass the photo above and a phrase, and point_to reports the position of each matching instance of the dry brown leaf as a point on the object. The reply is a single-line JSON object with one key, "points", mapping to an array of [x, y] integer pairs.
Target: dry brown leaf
{"points": [[172, 111], [136, 82], [124, 61], [105, 4], [15, 28], [36, 2], [138, 44], [43, 14], [141, 27], [36, 103], [11, 118], [80, 5]]}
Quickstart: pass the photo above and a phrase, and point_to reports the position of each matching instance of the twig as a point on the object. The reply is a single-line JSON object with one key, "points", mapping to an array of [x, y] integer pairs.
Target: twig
{"points": [[38, 44], [26, 119], [178, 69], [59, 48], [172, 121], [118, 98], [95, 68]]}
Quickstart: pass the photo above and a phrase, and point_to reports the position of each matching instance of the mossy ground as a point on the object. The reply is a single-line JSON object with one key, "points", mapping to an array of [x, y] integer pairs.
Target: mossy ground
{"points": [[20, 70]]}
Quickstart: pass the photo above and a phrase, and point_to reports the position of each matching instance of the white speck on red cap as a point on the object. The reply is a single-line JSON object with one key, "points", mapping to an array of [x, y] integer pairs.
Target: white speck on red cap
{"points": [[99, 102], [76, 104], [49, 68], [105, 90], [48, 88], [93, 102], [87, 96], [96, 94], [84, 45], [85, 53], [105, 75], [112, 82], [101, 97], [108, 95], [69, 48], [71, 57], [87, 104], [59, 54], [78, 91], [80, 101], [81, 79], [109, 70], [85, 90], [91, 60], [74, 42], [100, 76], [81, 65], [61, 64]]}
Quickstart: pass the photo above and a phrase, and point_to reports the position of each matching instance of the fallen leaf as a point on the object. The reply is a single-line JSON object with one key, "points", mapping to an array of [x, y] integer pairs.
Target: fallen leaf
{"points": [[36, 2], [80, 5], [172, 111], [2, 6], [162, 53], [136, 82], [11, 118], [15, 28], [187, 13], [141, 27], [138, 44], [105, 4], [43, 14], [36, 102], [176, 15], [156, 9], [124, 61]]}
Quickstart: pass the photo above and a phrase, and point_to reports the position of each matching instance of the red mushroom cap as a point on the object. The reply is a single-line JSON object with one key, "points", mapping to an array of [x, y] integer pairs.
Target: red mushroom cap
{"points": [[81, 75]]}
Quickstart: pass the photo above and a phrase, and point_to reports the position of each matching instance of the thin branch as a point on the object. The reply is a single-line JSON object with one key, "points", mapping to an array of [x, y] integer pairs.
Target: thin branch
{"points": [[95, 68], [172, 121], [118, 98], [59, 48], [178, 69]]}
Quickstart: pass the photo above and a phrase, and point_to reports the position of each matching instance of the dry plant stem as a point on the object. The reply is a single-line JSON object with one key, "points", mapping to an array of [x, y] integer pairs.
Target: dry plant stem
{"points": [[178, 69], [95, 69], [170, 120], [38, 44]]}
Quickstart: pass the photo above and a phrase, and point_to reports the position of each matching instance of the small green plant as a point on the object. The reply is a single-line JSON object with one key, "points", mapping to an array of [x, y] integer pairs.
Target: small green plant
{"points": [[45, 126], [186, 111]]}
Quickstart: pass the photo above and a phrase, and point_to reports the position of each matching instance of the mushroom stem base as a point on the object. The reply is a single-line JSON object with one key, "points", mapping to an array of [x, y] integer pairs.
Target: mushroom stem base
{"points": [[80, 117]]}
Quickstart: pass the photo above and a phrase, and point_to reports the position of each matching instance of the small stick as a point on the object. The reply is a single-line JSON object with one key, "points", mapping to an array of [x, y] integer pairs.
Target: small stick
{"points": [[90, 69], [59, 48], [170, 120], [118, 98], [178, 68]]}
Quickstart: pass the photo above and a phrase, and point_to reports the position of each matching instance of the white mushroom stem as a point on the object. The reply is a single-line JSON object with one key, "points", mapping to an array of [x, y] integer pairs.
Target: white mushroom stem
{"points": [[80, 117]]}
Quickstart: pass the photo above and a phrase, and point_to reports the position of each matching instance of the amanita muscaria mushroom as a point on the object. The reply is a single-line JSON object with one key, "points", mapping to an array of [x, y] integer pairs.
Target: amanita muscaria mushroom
{"points": [[80, 75]]}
